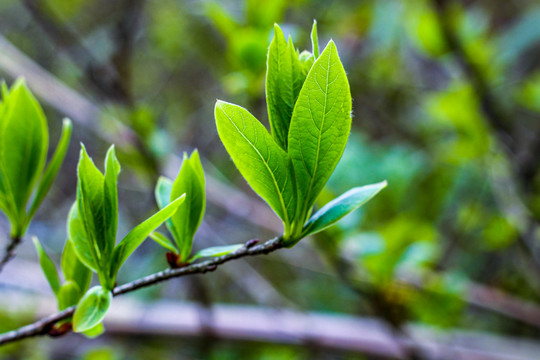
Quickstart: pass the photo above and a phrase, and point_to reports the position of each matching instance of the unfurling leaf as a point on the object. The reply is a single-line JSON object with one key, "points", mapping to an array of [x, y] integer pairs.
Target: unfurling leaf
{"points": [[336, 209], [91, 309]]}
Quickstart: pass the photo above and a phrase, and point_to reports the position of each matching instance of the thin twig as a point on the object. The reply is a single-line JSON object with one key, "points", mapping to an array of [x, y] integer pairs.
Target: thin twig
{"points": [[45, 325], [9, 253]]}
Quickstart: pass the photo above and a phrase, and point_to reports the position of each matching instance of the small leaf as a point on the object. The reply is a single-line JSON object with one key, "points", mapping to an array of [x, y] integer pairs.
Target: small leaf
{"points": [[216, 251], [94, 332], [163, 241], [81, 243], [73, 269], [320, 126], [136, 236], [284, 79], [264, 165], [336, 209], [52, 169], [315, 40], [48, 267], [163, 191], [70, 293], [24, 139], [91, 309], [110, 200], [188, 217]]}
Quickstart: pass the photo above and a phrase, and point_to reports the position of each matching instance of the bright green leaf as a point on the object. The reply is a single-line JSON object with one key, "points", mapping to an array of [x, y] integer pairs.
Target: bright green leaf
{"points": [[85, 250], [265, 166], [284, 79], [320, 126], [91, 309], [346, 203], [73, 269], [48, 267], [95, 331], [216, 251], [136, 236], [24, 139], [163, 241], [70, 293], [110, 200], [188, 217], [52, 169]]}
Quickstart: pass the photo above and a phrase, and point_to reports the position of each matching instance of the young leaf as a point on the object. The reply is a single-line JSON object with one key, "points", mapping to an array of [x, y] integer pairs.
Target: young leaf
{"points": [[70, 293], [52, 169], [85, 250], [163, 241], [94, 332], [136, 236], [90, 206], [48, 267], [315, 40], [264, 165], [163, 191], [110, 199], [73, 269], [320, 126], [284, 79], [24, 140], [346, 203], [91, 309], [216, 251], [188, 217]]}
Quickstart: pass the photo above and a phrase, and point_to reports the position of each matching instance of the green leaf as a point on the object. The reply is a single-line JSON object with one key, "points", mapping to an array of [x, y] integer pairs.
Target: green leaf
{"points": [[48, 267], [110, 200], [265, 166], [94, 332], [90, 206], [85, 250], [320, 126], [284, 79], [52, 169], [136, 236], [91, 309], [73, 269], [186, 220], [163, 191], [306, 59], [216, 251], [24, 140], [315, 39], [163, 241], [336, 209], [70, 293]]}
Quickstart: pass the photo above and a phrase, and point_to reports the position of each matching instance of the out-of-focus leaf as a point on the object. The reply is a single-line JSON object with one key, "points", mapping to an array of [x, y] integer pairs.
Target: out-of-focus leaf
{"points": [[216, 251], [69, 295], [91, 309]]}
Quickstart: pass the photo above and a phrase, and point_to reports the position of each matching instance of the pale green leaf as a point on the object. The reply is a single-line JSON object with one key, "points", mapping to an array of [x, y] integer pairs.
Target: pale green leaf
{"points": [[163, 191], [85, 250], [216, 251], [69, 295], [91, 309], [320, 126], [48, 267], [73, 269], [136, 236], [265, 165], [163, 241], [336, 209], [315, 39], [188, 217], [94, 332], [52, 169]]}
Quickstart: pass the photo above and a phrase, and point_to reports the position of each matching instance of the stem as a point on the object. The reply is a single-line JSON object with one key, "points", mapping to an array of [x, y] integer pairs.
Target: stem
{"points": [[9, 253], [45, 325]]}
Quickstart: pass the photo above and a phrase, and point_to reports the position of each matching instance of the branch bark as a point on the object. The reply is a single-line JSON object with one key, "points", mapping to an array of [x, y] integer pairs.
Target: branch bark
{"points": [[46, 325], [9, 253]]}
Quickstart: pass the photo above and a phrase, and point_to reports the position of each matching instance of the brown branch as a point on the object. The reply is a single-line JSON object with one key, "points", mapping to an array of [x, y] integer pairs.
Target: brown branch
{"points": [[9, 253], [46, 325]]}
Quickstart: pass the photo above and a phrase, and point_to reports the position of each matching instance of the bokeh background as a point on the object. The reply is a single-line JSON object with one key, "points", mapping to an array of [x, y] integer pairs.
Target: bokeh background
{"points": [[443, 264]]}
